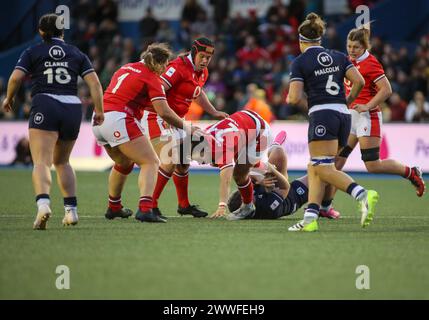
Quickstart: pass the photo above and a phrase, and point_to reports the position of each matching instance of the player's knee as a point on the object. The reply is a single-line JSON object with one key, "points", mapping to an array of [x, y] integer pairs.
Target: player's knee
{"points": [[125, 168], [373, 166], [43, 162], [155, 161], [239, 177], [168, 168], [182, 168]]}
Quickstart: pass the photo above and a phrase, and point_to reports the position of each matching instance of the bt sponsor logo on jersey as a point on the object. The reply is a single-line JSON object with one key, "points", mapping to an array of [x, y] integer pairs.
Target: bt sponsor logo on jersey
{"points": [[274, 205], [300, 191], [38, 118], [57, 53], [117, 134], [320, 130], [324, 59]]}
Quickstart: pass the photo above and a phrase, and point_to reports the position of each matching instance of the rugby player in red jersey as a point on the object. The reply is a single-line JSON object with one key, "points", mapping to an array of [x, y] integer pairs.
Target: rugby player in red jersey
{"points": [[238, 141], [134, 87], [183, 81], [367, 117]]}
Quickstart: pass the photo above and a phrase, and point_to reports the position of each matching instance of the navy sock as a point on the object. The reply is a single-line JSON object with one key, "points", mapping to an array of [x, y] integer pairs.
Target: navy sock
{"points": [[42, 196], [351, 187], [70, 202], [326, 203], [356, 191], [313, 207]]}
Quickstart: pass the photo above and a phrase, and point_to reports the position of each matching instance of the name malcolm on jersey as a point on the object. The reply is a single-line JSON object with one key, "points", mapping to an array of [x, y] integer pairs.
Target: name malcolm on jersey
{"points": [[327, 70]]}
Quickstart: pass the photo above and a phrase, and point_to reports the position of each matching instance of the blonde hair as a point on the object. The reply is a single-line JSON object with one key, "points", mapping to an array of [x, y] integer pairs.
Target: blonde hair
{"points": [[361, 35], [313, 27], [156, 55]]}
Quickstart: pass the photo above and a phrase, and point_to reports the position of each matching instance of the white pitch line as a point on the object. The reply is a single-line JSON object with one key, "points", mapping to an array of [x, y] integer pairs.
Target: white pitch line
{"points": [[342, 217]]}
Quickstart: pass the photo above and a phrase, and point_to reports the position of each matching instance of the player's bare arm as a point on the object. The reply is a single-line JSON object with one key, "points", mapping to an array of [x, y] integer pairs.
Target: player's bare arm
{"points": [[296, 94], [13, 85], [383, 93], [358, 82], [96, 92], [225, 177]]}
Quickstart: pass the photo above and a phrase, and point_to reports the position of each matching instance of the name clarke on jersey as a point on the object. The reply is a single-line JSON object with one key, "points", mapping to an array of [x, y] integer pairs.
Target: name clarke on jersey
{"points": [[56, 64], [326, 70]]}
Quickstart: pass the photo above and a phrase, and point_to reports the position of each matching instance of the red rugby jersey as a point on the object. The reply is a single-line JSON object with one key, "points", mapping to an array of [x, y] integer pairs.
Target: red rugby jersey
{"points": [[231, 135], [372, 71], [185, 84], [132, 89]]}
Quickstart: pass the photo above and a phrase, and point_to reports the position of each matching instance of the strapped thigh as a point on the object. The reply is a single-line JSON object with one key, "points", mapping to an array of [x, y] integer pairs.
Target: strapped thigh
{"points": [[371, 154]]}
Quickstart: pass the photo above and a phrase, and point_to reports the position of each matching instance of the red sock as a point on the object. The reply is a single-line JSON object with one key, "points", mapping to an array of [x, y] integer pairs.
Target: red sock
{"points": [[115, 203], [407, 173], [145, 203], [181, 183], [163, 178], [246, 191]]}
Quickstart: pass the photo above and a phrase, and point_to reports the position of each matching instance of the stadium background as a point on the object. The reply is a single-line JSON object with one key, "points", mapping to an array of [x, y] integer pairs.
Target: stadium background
{"points": [[255, 44]]}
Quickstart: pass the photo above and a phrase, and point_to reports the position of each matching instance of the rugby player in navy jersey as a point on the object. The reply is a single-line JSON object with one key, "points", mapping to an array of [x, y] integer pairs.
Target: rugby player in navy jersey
{"points": [[273, 195], [56, 112], [317, 77]]}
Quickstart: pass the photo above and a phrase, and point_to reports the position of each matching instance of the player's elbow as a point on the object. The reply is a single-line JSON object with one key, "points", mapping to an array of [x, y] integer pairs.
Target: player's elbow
{"points": [[388, 91], [293, 99]]}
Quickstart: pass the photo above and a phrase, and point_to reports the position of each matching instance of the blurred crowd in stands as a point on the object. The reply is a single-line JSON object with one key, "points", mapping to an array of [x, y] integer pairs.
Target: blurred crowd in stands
{"points": [[250, 68]]}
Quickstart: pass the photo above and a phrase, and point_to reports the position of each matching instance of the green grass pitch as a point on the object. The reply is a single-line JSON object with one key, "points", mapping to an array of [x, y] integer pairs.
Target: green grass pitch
{"points": [[190, 258]]}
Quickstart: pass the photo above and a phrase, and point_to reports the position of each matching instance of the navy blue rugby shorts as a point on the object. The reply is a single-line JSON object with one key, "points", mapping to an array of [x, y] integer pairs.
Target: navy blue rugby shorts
{"points": [[49, 114], [329, 125]]}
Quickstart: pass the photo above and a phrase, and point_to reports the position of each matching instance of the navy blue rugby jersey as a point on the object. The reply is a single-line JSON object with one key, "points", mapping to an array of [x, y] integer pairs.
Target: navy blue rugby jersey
{"points": [[323, 72], [54, 67]]}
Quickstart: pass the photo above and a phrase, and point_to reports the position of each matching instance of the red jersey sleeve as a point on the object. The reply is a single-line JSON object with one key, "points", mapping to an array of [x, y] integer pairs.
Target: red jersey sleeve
{"points": [[156, 90], [375, 71], [172, 75]]}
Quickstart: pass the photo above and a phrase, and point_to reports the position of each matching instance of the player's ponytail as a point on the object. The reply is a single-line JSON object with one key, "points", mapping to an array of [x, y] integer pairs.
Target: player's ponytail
{"points": [[49, 26], [312, 29], [155, 56], [361, 35]]}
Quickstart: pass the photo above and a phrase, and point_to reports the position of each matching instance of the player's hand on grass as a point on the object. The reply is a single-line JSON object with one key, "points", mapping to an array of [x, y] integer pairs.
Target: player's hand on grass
{"points": [[98, 118], [361, 108], [7, 104], [220, 212]]}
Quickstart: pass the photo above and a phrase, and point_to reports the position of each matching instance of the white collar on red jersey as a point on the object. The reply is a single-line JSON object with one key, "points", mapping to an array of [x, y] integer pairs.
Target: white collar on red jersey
{"points": [[189, 56], [363, 57]]}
